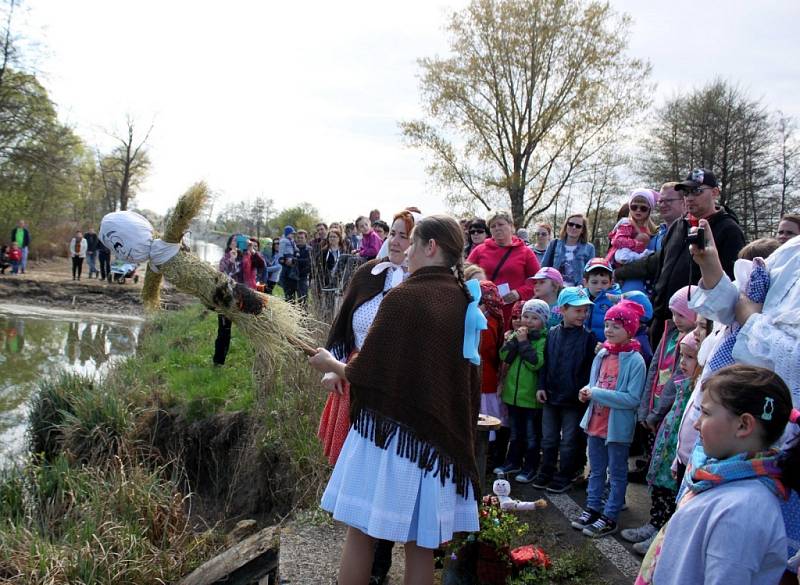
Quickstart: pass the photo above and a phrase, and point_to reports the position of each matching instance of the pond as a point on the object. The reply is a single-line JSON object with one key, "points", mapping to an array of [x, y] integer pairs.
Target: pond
{"points": [[37, 344]]}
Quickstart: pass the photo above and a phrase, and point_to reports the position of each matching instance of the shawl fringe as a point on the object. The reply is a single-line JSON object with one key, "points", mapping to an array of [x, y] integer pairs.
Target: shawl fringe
{"points": [[381, 430]]}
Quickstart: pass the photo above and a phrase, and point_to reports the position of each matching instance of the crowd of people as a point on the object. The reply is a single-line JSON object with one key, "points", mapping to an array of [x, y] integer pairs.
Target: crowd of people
{"points": [[677, 344]]}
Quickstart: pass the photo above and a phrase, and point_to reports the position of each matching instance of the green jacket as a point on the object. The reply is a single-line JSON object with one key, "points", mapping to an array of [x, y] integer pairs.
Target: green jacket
{"points": [[521, 383]]}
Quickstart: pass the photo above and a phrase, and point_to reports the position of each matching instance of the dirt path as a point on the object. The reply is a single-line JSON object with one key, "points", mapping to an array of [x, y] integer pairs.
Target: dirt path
{"points": [[49, 283]]}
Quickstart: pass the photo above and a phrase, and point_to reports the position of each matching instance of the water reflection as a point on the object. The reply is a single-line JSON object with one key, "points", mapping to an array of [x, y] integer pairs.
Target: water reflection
{"points": [[37, 347]]}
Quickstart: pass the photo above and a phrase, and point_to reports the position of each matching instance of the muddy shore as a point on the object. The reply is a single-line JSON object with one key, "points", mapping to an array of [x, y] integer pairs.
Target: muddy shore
{"points": [[50, 284]]}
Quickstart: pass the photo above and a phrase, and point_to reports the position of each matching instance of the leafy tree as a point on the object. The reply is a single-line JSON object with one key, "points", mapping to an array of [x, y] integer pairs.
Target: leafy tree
{"points": [[532, 91], [302, 216]]}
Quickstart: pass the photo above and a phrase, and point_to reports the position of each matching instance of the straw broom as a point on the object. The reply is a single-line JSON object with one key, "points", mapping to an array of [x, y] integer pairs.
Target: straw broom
{"points": [[276, 329]]}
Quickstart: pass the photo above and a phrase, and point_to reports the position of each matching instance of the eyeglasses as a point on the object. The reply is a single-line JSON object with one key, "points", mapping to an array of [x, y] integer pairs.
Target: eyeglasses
{"points": [[473, 232], [665, 200], [577, 226], [638, 208]]}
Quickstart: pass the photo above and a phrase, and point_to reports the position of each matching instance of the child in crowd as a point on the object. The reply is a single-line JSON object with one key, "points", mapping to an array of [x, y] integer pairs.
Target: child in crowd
{"points": [[664, 364], [660, 476], [474, 272], [630, 238], [613, 394], [547, 284], [642, 334], [598, 282], [728, 526], [499, 447], [524, 352], [568, 356], [491, 341], [370, 241]]}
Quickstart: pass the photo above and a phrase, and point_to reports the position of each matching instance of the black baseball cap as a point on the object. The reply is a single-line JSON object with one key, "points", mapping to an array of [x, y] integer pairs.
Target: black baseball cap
{"points": [[697, 178]]}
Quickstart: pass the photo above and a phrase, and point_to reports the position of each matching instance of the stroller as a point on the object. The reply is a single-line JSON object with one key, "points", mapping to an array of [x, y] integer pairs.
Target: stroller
{"points": [[121, 270]]}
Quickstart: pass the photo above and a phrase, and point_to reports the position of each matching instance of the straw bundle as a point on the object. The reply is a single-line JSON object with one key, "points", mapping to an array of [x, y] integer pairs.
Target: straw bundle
{"points": [[275, 328]]}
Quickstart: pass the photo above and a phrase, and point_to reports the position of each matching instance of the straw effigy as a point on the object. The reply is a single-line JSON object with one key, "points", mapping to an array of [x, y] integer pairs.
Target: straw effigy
{"points": [[275, 328]]}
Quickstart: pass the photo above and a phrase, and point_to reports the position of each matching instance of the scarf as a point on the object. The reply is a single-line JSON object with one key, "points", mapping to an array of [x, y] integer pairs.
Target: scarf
{"points": [[618, 348], [77, 246], [362, 287], [704, 473], [411, 380], [490, 299]]}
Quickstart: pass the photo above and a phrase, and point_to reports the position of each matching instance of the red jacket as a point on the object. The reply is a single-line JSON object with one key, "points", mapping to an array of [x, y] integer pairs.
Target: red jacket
{"points": [[520, 265], [491, 342], [14, 254]]}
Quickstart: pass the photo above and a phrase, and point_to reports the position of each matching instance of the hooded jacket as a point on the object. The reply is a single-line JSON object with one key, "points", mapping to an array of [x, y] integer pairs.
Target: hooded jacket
{"points": [[526, 359], [596, 318]]}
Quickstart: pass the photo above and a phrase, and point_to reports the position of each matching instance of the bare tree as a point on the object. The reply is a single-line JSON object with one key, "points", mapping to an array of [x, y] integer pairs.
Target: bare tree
{"points": [[533, 91], [126, 166]]}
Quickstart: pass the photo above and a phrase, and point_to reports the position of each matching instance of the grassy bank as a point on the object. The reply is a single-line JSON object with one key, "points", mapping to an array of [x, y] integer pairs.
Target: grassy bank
{"points": [[117, 464]]}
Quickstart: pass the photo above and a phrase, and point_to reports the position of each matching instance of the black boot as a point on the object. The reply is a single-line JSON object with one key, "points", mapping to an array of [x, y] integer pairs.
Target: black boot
{"points": [[498, 449], [382, 562]]}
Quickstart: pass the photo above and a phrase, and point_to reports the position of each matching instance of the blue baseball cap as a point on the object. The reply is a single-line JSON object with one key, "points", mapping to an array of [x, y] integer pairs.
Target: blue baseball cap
{"points": [[575, 296], [640, 298], [288, 230]]}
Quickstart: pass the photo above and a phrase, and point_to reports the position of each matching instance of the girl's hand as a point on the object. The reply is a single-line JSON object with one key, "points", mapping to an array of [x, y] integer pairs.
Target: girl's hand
{"points": [[541, 395], [585, 395], [745, 308], [522, 334], [511, 297], [598, 347], [332, 383], [322, 360]]}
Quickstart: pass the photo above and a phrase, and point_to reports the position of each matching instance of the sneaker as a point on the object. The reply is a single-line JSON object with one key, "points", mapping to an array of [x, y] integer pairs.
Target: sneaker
{"points": [[541, 481], [642, 547], [559, 486], [507, 469], [586, 518], [526, 476], [639, 534], [603, 526]]}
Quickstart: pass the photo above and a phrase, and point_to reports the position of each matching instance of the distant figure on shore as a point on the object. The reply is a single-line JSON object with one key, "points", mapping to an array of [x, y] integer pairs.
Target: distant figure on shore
{"points": [[22, 237], [77, 251]]}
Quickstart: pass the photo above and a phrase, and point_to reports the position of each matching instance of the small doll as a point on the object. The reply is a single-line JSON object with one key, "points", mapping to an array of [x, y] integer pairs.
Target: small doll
{"points": [[502, 489]]}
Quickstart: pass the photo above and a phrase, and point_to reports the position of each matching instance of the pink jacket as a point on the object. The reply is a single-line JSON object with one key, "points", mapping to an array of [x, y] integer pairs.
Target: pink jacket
{"points": [[520, 265], [370, 245]]}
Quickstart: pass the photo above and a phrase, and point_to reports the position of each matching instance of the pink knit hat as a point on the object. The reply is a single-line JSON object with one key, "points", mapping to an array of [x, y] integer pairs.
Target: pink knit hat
{"points": [[647, 194], [679, 303], [689, 340], [628, 314]]}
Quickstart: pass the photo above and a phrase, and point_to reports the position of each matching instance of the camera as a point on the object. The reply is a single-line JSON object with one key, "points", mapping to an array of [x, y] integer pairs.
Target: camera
{"points": [[698, 238]]}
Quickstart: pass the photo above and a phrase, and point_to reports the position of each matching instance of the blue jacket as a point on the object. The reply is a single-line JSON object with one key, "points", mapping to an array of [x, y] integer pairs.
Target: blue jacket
{"points": [[555, 256], [623, 401], [596, 318]]}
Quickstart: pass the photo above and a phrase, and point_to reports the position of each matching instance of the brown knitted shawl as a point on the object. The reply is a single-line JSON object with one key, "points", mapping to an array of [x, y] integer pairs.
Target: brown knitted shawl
{"points": [[411, 378], [362, 287]]}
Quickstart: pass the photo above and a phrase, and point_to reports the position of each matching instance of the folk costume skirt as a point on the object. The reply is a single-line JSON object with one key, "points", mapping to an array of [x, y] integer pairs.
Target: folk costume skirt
{"points": [[387, 496]]}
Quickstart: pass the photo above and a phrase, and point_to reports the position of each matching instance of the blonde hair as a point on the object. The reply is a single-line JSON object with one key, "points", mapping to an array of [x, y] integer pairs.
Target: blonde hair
{"points": [[499, 214]]}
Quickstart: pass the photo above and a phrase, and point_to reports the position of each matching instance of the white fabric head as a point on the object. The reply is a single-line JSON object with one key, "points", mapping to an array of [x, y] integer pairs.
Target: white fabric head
{"points": [[128, 235]]}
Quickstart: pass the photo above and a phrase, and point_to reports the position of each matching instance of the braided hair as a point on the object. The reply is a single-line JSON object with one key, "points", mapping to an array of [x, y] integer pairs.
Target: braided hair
{"points": [[448, 235]]}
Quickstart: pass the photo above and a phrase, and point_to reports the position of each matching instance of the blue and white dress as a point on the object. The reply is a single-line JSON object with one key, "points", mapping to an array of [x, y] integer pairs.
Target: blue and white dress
{"points": [[387, 496]]}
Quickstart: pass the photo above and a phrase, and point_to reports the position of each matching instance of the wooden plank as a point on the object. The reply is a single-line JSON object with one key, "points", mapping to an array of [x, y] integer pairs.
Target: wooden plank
{"points": [[247, 562]]}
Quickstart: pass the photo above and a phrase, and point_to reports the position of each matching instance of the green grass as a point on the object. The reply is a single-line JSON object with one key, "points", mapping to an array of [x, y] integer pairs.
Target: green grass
{"points": [[93, 506]]}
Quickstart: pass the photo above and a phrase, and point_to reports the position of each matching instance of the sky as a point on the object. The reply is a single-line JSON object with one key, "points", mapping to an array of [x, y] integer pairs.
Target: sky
{"points": [[301, 101]]}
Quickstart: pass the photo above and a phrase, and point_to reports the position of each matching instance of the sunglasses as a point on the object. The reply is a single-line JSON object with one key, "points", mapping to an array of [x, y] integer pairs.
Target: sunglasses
{"points": [[638, 208], [577, 226], [473, 232], [696, 191]]}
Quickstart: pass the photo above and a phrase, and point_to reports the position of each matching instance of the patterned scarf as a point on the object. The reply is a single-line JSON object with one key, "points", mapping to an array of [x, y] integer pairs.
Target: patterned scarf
{"points": [[618, 348], [490, 298], [704, 473]]}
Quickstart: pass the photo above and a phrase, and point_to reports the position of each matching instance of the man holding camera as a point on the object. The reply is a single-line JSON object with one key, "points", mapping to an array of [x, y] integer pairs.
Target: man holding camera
{"points": [[676, 267]]}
